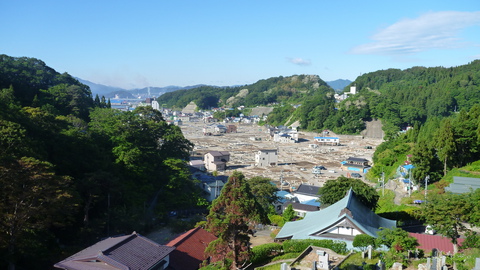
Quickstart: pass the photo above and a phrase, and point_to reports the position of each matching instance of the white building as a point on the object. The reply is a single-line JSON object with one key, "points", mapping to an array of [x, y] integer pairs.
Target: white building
{"points": [[155, 105], [266, 157], [216, 160], [285, 137], [327, 140]]}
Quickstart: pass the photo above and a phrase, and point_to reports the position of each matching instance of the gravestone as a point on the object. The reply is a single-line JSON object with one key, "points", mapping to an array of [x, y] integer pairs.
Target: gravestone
{"points": [[380, 265], [422, 267], [397, 266], [323, 261], [284, 266], [444, 261], [369, 249]]}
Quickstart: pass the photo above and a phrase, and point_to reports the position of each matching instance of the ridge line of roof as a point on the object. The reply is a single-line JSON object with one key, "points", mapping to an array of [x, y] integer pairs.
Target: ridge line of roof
{"points": [[184, 236]]}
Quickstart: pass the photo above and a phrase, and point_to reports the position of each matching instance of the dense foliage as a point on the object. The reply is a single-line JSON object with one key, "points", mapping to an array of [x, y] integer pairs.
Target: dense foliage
{"points": [[336, 189], [362, 241], [271, 91], [434, 148], [400, 98], [264, 192], [454, 209], [72, 170], [339, 247], [231, 219]]}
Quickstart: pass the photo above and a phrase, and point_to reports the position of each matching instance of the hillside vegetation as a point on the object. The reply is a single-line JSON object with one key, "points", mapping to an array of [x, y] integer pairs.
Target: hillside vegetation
{"points": [[400, 98], [73, 170]]}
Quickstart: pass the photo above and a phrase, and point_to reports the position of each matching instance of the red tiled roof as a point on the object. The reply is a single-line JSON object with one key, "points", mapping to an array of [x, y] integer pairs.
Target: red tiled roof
{"points": [[190, 248], [428, 242]]}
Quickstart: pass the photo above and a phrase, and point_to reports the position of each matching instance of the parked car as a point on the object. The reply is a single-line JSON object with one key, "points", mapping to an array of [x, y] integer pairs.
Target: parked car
{"points": [[356, 175]]}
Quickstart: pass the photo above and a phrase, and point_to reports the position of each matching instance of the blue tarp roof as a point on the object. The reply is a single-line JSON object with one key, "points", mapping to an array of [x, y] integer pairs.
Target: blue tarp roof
{"points": [[408, 167]]}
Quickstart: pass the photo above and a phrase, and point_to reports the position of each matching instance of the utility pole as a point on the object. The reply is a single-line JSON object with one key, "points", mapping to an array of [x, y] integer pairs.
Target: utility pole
{"points": [[426, 185], [383, 184], [409, 182]]}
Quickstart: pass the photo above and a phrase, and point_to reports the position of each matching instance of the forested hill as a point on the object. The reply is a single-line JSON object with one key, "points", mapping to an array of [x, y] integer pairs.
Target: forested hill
{"points": [[441, 104], [400, 98], [408, 97], [277, 90], [33, 82], [73, 171]]}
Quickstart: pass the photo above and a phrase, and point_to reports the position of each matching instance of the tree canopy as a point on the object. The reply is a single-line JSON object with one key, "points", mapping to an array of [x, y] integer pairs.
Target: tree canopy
{"points": [[446, 214], [334, 190], [232, 218], [73, 170]]}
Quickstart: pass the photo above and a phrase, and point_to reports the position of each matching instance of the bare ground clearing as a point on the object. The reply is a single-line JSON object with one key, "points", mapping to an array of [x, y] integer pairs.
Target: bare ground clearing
{"points": [[295, 159]]}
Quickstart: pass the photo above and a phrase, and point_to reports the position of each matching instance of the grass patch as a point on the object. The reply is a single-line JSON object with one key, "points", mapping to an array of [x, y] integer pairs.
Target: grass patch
{"points": [[270, 267], [276, 266], [386, 203], [355, 260], [286, 256], [466, 259], [471, 170]]}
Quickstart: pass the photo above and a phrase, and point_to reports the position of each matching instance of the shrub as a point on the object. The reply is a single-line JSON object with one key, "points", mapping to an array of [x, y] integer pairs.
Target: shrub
{"points": [[301, 245], [362, 241], [276, 220], [264, 253]]}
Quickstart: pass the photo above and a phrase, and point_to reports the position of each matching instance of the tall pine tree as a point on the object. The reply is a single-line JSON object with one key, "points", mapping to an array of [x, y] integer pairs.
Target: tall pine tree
{"points": [[232, 218]]}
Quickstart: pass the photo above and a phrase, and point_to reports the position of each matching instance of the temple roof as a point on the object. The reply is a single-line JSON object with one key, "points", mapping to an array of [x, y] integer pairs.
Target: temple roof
{"points": [[349, 209]]}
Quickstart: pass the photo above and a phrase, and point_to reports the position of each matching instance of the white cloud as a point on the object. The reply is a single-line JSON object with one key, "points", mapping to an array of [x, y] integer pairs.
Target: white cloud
{"points": [[300, 61], [433, 30]]}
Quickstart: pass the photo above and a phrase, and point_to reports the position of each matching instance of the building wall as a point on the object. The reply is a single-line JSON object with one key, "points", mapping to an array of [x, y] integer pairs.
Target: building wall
{"points": [[210, 160], [344, 230], [266, 158]]}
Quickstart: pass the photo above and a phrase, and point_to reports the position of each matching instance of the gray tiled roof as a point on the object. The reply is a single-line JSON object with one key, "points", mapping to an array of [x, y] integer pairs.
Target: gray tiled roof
{"points": [[219, 153], [301, 206], [130, 252], [463, 184], [308, 190], [355, 159]]}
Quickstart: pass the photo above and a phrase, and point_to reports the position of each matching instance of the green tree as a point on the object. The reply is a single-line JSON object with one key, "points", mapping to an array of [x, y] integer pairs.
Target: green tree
{"points": [[232, 218], [289, 213], [396, 239], [32, 199], [264, 192], [96, 101], [474, 213], [446, 213], [334, 190], [362, 241], [445, 143], [425, 161]]}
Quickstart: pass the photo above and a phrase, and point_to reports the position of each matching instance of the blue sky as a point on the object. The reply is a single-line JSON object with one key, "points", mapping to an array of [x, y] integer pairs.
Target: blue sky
{"points": [[159, 43]]}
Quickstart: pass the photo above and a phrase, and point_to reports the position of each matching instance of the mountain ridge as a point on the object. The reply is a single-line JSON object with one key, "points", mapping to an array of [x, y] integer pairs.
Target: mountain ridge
{"points": [[112, 91]]}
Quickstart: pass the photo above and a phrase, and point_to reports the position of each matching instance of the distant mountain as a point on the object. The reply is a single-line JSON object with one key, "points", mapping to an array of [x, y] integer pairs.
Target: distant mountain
{"points": [[157, 91], [339, 85], [100, 89], [112, 92]]}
